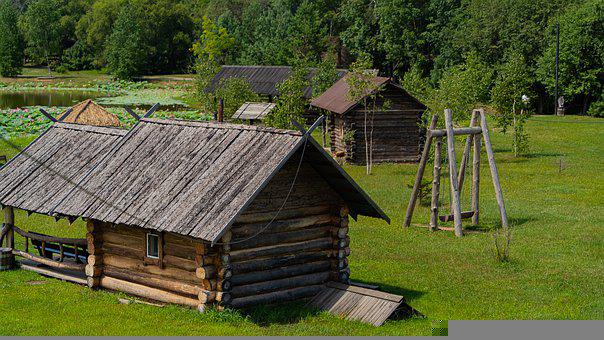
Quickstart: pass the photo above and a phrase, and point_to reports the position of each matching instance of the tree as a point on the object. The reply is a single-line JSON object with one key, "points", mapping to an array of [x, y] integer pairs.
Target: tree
{"points": [[209, 52], [462, 87], [126, 55], [214, 42], [581, 54], [291, 104], [361, 88], [41, 28], [510, 98], [234, 92], [11, 43], [308, 32], [96, 25]]}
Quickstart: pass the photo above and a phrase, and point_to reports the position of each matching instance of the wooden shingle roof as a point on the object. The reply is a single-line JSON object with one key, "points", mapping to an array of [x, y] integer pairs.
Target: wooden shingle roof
{"points": [[263, 79], [195, 178], [90, 113], [44, 172], [336, 99], [253, 111]]}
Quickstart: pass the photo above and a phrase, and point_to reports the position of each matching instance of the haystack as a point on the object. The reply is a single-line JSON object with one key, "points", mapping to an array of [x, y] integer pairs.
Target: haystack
{"points": [[91, 113]]}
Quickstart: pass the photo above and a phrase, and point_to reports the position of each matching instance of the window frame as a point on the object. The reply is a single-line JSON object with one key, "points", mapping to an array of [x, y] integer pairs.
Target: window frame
{"points": [[158, 239]]}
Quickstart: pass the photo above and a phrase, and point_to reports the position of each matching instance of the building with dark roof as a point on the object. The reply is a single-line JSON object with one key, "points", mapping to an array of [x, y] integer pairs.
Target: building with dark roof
{"points": [[395, 126], [263, 79]]}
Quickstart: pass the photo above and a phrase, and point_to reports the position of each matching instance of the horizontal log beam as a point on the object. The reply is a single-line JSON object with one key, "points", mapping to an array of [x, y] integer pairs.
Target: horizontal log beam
{"points": [[48, 262], [281, 238], [139, 266], [288, 248], [281, 272], [246, 230], [275, 297], [147, 292], [280, 284], [270, 263], [155, 281], [459, 131], [45, 238]]}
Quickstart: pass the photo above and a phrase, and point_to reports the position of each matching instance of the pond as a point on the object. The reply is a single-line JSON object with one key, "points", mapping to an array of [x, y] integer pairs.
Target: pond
{"points": [[12, 100]]}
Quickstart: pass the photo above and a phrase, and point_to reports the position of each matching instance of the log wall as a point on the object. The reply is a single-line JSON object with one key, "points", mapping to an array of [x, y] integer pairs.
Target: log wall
{"points": [[397, 136], [274, 252], [118, 261], [291, 258]]}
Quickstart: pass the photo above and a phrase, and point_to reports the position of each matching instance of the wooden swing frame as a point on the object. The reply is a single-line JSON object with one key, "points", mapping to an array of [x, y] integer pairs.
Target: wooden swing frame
{"points": [[475, 136]]}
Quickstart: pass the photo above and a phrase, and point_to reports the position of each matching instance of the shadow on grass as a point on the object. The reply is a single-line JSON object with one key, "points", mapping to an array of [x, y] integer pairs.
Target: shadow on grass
{"points": [[285, 313], [294, 312]]}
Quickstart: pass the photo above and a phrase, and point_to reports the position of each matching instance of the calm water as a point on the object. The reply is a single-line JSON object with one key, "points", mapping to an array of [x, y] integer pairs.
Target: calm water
{"points": [[11, 100]]}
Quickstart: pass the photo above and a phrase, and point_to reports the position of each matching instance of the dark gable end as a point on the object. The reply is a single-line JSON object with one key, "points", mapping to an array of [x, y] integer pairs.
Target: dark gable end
{"points": [[48, 168], [195, 178], [337, 100]]}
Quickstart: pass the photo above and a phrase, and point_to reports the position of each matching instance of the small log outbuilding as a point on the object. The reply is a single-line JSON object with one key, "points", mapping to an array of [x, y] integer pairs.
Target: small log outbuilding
{"points": [[397, 136], [198, 213]]}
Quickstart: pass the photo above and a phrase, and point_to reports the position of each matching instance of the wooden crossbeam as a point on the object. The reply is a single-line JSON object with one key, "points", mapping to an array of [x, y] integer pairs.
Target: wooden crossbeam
{"points": [[457, 131], [151, 110], [69, 110], [132, 113], [48, 115]]}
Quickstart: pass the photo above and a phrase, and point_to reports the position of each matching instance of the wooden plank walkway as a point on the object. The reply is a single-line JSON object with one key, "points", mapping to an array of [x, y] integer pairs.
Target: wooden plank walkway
{"points": [[357, 303]]}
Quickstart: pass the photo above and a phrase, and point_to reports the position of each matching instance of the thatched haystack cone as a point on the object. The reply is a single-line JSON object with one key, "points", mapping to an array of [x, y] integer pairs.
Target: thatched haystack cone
{"points": [[91, 113]]}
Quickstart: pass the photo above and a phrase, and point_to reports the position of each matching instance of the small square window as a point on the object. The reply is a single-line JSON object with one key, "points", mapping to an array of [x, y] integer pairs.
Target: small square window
{"points": [[153, 246]]}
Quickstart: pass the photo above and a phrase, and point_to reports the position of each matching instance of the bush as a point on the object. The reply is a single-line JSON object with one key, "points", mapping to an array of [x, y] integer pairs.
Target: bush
{"points": [[78, 57], [234, 92], [597, 108]]}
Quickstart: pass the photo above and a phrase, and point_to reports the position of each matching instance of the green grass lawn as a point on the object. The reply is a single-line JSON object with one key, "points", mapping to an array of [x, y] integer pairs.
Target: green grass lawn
{"points": [[555, 203]]}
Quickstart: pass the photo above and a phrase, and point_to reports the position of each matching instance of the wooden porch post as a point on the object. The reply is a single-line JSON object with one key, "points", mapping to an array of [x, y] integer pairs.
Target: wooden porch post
{"points": [[9, 220]]}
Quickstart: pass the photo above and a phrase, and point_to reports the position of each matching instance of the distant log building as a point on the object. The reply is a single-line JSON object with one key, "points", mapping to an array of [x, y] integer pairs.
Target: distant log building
{"points": [[263, 80], [397, 136]]}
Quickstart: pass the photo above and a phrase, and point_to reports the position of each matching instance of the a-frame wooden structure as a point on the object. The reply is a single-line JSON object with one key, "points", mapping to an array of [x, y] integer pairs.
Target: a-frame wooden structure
{"points": [[475, 136]]}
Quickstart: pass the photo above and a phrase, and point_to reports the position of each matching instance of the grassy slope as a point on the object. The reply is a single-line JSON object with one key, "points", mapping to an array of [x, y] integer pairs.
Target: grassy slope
{"points": [[555, 272]]}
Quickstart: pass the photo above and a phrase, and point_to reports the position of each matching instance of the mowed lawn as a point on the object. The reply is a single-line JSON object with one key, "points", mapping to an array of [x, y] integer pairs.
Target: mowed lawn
{"points": [[555, 203]]}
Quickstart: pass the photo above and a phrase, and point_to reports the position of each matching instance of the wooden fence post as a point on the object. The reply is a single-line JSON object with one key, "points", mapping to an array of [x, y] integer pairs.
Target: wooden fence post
{"points": [[493, 166], [420, 173], [436, 184], [453, 173]]}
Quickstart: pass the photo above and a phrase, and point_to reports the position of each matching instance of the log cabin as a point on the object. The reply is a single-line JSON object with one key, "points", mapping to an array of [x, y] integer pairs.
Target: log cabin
{"points": [[397, 133], [190, 213]]}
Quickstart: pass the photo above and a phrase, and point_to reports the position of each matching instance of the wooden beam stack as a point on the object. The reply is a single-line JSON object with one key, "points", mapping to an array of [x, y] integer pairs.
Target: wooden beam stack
{"points": [[341, 247], [94, 268]]}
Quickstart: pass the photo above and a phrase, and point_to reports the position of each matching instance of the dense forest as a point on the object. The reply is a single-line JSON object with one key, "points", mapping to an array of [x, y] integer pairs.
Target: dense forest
{"points": [[448, 52]]}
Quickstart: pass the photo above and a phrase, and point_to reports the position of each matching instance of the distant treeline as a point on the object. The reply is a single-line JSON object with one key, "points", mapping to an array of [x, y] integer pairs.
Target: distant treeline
{"points": [[428, 44]]}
